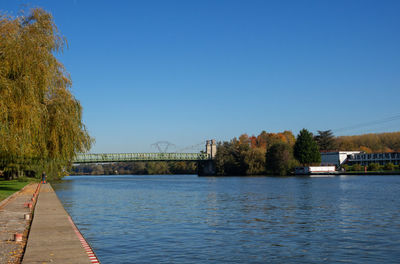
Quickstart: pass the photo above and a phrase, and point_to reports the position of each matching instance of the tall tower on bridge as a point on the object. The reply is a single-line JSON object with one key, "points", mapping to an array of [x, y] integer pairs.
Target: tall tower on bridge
{"points": [[207, 167], [211, 148]]}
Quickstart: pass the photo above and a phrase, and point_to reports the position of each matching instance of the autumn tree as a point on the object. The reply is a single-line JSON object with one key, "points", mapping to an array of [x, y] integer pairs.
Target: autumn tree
{"points": [[40, 120], [266, 140], [306, 149], [253, 157], [255, 161], [373, 142]]}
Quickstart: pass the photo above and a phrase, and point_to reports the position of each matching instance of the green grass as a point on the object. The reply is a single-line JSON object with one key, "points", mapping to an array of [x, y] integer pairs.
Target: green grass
{"points": [[9, 187]]}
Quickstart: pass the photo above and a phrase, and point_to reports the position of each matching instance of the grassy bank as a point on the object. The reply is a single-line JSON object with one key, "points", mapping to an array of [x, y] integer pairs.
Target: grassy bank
{"points": [[9, 187]]}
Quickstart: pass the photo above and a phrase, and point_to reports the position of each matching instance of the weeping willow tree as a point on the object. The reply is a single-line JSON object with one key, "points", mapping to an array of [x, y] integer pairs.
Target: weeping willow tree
{"points": [[41, 125]]}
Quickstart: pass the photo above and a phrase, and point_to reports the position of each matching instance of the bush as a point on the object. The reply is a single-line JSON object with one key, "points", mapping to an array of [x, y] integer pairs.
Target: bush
{"points": [[374, 167], [346, 167], [357, 167], [389, 166], [23, 179]]}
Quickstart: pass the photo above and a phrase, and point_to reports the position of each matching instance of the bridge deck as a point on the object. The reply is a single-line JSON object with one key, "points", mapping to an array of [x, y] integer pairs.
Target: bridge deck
{"points": [[126, 157]]}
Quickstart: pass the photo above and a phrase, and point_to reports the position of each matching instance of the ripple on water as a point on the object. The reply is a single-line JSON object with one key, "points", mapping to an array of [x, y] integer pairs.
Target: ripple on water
{"points": [[189, 219]]}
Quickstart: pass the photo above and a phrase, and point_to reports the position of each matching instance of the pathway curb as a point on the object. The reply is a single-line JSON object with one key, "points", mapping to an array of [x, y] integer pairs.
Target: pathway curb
{"points": [[12, 196], [53, 237]]}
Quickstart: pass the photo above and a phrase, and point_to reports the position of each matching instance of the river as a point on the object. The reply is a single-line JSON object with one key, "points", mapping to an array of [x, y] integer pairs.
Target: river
{"points": [[190, 219]]}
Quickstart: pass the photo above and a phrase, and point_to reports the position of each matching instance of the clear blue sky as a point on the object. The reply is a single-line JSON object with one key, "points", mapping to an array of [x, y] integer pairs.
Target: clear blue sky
{"points": [[186, 71]]}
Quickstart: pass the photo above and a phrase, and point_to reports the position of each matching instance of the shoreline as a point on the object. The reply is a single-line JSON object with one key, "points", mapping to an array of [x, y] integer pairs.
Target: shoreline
{"points": [[368, 173], [355, 173]]}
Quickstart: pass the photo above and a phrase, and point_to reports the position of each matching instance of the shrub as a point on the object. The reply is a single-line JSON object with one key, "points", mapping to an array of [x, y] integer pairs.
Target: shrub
{"points": [[374, 167], [23, 179], [357, 167], [389, 166]]}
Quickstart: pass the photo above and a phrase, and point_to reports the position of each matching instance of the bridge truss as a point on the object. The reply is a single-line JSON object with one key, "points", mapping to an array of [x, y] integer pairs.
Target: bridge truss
{"points": [[127, 157]]}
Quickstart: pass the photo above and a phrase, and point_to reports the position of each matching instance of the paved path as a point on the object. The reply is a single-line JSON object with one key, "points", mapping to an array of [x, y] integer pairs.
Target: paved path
{"points": [[52, 238], [12, 221]]}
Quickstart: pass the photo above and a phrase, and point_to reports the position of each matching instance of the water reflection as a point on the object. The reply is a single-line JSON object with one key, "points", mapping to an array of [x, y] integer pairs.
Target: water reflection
{"points": [[187, 219]]}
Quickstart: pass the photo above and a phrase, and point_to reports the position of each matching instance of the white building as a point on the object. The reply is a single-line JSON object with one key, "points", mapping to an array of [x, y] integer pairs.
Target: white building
{"points": [[336, 158], [309, 170]]}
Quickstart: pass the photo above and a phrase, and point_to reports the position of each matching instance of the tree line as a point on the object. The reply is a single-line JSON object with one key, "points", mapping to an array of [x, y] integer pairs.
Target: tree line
{"points": [[41, 125], [279, 153], [137, 168], [382, 142], [267, 153]]}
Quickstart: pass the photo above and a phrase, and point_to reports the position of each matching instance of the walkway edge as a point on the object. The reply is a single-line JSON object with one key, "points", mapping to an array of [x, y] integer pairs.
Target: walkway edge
{"points": [[12, 196], [92, 256], [53, 237]]}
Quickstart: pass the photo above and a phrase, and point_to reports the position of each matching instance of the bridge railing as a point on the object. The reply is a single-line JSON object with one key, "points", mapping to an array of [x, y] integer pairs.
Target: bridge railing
{"points": [[126, 157]]}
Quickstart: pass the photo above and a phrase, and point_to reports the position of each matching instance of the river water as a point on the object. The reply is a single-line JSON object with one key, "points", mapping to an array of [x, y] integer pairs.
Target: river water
{"points": [[190, 219]]}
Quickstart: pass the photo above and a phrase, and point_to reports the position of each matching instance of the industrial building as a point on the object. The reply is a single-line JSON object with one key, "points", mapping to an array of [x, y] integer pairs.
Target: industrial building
{"points": [[380, 158], [336, 158]]}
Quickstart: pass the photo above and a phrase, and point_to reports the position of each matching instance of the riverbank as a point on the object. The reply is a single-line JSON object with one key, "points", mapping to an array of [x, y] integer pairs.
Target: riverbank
{"points": [[53, 237], [369, 173], [355, 173]]}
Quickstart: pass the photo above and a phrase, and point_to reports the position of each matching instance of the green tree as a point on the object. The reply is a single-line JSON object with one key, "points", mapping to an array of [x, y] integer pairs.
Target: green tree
{"points": [[325, 140], [279, 159], [182, 167], [157, 167], [230, 157], [40, 120], [306, 149]]}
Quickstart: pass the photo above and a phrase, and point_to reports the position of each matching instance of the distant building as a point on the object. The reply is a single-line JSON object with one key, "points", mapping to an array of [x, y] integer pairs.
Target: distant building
{"points": [[309, 170], [336, 158], [380, 158]]}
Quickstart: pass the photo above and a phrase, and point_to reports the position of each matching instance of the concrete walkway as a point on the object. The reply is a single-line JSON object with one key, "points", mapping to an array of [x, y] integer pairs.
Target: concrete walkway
{"points": [[52, 238]]}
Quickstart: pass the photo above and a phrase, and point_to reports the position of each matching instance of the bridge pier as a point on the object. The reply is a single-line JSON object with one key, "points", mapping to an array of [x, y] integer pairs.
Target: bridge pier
{"points": [[207, 167]]}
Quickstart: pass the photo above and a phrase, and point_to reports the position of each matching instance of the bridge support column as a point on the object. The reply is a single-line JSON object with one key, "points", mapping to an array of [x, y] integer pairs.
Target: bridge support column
{"points": [[206, 168]]}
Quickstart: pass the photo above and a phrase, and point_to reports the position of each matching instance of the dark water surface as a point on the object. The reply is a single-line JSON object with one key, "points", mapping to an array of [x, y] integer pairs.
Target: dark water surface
{"points": [[190, 219]]}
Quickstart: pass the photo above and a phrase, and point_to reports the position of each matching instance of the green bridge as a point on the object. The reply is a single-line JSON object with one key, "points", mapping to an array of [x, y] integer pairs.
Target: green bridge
{"points": [[127, 157], [205, 161]]}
